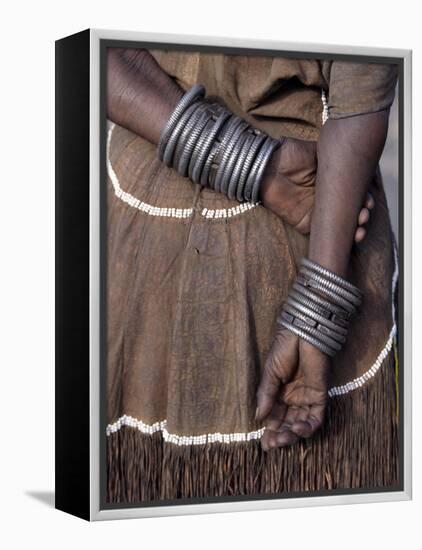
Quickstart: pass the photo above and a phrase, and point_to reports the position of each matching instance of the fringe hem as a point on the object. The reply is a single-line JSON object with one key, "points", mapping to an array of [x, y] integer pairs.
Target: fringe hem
{"points": [[356, 448]]}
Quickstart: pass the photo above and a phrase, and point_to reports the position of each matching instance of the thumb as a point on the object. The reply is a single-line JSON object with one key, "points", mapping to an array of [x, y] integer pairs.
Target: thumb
{"points": [[279, 367], [267, 392]]}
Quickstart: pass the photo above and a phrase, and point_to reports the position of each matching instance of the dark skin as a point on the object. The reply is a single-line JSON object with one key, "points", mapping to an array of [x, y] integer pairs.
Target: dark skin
{"points": [[307, 185]]}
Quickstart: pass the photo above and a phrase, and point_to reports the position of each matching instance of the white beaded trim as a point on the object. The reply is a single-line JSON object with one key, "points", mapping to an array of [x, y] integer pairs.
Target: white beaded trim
{"points": [[360, 381], [227, 212], [324, 114], [181, 439], [167, 212], [249, 436]]}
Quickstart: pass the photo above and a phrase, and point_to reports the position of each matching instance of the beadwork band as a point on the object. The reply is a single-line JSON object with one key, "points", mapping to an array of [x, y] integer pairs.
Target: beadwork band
{"points": [[215, 148], [319, 307]]}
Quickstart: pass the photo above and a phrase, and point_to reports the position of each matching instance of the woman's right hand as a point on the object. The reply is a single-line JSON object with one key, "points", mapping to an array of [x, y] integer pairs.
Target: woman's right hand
{"points": [[293, 392], [288, 186]]}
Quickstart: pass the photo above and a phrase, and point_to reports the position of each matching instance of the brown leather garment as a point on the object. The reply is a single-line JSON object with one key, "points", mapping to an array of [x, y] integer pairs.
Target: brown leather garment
{"points": [[192, 302]]}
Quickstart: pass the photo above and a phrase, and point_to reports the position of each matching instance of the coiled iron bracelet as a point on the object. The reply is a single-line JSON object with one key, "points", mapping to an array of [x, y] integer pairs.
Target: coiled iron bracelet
{"points": [[319, 307], [215, 148]]}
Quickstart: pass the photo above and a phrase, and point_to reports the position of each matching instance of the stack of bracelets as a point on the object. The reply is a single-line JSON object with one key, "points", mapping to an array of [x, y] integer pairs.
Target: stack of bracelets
{"points": [[319, 307], [220, 150], [215, 148]]}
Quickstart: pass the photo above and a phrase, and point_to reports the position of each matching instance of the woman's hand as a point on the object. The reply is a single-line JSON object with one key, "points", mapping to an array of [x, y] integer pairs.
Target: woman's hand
{"points": [[292, 395], [288, 187]]}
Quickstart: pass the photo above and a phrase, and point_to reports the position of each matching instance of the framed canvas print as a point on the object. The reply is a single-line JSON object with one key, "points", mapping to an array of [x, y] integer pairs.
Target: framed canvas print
{"points": [[233, 274]]}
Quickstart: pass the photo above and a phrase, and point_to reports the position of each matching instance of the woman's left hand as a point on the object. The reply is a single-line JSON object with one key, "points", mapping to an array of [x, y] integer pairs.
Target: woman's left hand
{"points": [[288, 187], [293, 392]]}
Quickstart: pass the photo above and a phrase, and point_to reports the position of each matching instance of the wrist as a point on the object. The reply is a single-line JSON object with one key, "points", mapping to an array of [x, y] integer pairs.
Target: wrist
{"points": [[319, 307]]}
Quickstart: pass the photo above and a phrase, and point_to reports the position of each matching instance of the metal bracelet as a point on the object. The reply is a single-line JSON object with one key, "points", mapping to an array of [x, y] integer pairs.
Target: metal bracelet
{"points": [[203, 146], [199, 146], [250, 157], [186, 133], [312, 323], [216, 148], [310, 264], [207, 147], [231, 130], [330, 285], [255, 165], [231, 154], [191, 95], [335, 310], [173, 139], [310, 304], [311, 283], [237, 169], [308, 337], [327, 340], [319, 306], [205, 175], [319, 318], [269, 150], [189, 146]]}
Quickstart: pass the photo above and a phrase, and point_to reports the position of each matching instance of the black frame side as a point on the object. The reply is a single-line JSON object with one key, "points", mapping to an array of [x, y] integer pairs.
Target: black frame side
{"points": [[72, 460]]}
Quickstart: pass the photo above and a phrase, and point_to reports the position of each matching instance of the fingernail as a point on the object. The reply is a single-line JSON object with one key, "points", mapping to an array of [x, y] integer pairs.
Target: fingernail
{"points": [[257, 413]]}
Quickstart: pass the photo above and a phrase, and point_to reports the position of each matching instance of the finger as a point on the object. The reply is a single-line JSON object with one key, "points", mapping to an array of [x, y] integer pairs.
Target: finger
{"points": [[301, 416], [276, 417], [273, 424], [271, 438], [290, 417], [306, 427], [369, 202], [360, 234], [266, 394], [284, 438], [266, 440], [363, 216]]}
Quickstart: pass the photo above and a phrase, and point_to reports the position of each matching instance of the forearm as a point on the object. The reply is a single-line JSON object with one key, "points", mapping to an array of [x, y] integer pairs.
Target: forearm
{"points": [[140, 95], [348, 153]]}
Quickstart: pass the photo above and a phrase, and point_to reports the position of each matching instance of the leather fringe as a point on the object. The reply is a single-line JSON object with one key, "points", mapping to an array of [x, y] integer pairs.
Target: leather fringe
{"points": [[356, 448]]}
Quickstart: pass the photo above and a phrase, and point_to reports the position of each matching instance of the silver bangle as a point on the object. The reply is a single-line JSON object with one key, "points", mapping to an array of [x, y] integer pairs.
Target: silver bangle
{"points": [[189, 97], [319, 306], [331, 276], [189, 146], [205, 140], [254, 170], [173, 139], [187, 131], [308, 338], [330, 285], [214, 147], [237, 169], [269, 150], [205, 175], [230, 155], [315, 285], [313, 325], [320, 319], [230, 132], [332, 308], [250, 158]]}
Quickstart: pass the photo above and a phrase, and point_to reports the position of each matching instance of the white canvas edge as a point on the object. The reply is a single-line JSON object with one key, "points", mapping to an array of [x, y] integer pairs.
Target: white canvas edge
{"points": [[155, 511]]}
